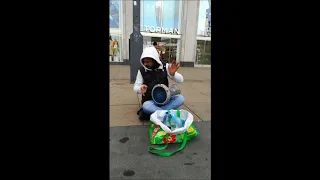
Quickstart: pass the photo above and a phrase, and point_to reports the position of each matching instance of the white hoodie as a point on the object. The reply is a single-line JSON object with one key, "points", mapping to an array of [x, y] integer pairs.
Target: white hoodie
{"points": [[153, 53]]}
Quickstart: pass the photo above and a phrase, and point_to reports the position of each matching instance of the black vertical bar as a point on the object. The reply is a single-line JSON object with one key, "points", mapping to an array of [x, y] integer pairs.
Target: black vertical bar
{"points": [[136, 42]]}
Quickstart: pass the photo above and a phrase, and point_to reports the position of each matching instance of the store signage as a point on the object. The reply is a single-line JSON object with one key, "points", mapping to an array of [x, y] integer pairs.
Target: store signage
{"points": [[161, 30]]}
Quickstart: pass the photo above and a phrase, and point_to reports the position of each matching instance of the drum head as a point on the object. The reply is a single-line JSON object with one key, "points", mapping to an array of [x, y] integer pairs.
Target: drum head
{"points": [[160, 94]]}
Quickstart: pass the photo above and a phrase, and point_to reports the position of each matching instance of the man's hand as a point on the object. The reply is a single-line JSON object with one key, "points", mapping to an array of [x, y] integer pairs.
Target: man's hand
{"points": [[173, 67], [143, 89]]}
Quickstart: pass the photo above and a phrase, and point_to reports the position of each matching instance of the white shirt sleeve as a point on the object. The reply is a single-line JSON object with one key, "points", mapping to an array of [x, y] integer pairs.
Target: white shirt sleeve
{"points": [[177, 76], [138, 83]]}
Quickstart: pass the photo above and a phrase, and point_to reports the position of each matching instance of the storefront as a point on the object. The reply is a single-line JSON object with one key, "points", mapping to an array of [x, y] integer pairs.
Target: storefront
{"points": [[163, 24]]}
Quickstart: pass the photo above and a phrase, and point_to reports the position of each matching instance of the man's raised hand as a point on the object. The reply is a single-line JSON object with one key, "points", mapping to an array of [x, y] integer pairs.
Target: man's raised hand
{"points": [[173, 67]]}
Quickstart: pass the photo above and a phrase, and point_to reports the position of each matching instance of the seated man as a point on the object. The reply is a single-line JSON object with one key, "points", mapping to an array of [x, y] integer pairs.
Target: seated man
{"points": [[154, 72]]}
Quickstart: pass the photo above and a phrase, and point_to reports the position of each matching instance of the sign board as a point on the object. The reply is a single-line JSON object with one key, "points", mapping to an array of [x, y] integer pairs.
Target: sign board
{"points": [[161, 30]]}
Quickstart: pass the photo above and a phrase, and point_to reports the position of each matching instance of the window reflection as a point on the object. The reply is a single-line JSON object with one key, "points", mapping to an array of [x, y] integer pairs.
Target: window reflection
{"points": [[203, 52], [204, 18], [114, 18], [160, 13]]}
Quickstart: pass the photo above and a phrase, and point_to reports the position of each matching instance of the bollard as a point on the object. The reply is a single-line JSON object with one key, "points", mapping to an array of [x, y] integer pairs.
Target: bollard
{"points": [[135, 43]]}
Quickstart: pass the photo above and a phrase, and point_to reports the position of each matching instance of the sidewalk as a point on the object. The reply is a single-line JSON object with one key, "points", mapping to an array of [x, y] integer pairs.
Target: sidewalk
{"points": [[124, 103], [129, 156]]}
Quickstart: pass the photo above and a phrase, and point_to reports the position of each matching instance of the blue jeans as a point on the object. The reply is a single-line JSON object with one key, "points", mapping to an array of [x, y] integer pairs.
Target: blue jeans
{"points": [[150, 106]]}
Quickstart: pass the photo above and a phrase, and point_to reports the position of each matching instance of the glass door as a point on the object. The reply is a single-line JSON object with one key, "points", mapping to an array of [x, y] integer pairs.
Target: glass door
{"points": [[167, 47]]}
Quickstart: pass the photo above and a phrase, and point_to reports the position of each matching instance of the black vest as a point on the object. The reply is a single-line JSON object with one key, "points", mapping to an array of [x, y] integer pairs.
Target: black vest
{"points": [[152, 78]]}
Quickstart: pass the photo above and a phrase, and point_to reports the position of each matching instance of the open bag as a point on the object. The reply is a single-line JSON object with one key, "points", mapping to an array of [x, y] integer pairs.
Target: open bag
{"points": [[172, 126]]}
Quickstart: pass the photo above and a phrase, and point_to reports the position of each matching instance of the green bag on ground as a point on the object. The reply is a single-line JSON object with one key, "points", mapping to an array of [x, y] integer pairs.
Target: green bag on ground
{"points": [[159, 136]]}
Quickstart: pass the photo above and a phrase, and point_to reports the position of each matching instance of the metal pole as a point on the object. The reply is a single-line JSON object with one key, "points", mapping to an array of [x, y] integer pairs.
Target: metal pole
{"points": [[136, 43]]}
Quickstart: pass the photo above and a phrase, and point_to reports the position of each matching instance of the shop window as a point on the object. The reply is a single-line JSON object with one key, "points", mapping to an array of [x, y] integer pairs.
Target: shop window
{"points": [[115, 48], [115, 36], [161, 16], [203, 53]]}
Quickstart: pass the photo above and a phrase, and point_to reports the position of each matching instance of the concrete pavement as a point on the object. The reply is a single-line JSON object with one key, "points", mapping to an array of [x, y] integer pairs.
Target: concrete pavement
{"points": [[124, 103], [130, 159]]}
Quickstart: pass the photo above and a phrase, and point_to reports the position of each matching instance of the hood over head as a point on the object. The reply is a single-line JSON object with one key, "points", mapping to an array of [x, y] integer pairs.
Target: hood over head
{"points": [[151, 52]]}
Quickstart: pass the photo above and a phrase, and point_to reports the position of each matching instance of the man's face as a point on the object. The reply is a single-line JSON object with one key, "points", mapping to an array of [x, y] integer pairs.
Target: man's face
{"points": [[148, 62]]}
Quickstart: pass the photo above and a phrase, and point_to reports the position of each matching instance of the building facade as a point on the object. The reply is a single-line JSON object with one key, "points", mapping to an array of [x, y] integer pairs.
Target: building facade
{"points": [[181, 30]]}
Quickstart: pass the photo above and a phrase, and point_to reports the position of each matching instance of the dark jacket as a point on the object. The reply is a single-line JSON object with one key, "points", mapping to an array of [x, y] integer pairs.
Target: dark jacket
{"points": [[152, 78]]}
